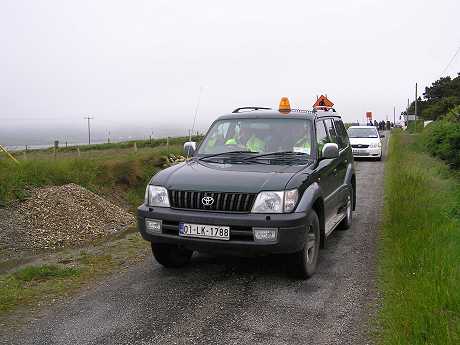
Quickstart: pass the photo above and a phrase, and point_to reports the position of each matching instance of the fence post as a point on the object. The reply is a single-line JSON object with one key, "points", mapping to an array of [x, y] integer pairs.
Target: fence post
{"points": [[8, 154]]}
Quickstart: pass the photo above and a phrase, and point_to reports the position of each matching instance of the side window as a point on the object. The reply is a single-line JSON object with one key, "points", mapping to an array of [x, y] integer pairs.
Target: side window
{"points": [[331, 131], [321, 136], [342, 132]]}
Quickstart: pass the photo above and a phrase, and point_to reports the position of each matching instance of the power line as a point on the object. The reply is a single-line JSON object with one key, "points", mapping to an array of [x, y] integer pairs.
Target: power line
{"points": [[450, 62]]}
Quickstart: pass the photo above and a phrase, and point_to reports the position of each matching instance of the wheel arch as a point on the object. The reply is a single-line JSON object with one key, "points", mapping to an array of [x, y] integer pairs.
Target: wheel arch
{"points": [[312, 199]]}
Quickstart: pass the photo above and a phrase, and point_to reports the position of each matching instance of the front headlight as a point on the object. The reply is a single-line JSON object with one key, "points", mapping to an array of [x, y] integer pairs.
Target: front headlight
{"points": [[276, 202], [157, 196], [375, 145]]}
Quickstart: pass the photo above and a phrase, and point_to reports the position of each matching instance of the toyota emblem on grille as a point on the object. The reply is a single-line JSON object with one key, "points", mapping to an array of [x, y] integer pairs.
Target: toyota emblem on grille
{"points": [[207, 201]]}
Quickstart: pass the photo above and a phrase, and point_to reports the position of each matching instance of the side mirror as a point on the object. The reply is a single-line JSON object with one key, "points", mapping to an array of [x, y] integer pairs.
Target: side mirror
{"points": [[330, 150], [382, 135], [189, 148]]}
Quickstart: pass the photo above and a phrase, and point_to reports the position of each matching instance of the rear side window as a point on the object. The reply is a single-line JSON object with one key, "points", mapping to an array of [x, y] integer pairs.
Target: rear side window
{"points": [[342, 134]]}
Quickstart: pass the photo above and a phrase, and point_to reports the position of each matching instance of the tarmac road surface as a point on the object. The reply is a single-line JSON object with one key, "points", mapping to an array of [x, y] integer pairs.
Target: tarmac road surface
{"points": [[232, 300]]}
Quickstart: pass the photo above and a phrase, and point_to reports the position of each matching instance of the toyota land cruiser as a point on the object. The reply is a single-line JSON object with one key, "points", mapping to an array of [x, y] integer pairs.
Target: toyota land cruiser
{"points": [[262, 181]]}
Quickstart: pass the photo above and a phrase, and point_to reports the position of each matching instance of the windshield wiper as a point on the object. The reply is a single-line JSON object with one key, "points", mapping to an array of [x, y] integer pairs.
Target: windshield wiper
{"points": [[290, 157], [225, 153], [278, 155]]}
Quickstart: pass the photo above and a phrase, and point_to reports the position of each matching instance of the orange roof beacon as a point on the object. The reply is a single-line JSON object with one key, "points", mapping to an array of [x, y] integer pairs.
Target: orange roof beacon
{"points": [[285, 106]]}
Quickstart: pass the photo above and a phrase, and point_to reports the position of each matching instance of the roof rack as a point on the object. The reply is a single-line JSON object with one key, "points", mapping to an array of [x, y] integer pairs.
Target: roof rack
{"points": [[323, 108], [304, 111], [238, 110]]}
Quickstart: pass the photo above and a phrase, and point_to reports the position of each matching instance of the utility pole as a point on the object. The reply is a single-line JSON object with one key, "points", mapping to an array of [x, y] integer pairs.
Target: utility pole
{"points": [[415, 125], [89, 118], [394, 115]]}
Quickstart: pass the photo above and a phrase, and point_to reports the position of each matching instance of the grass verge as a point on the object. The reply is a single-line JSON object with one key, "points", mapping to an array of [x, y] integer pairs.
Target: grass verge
{"points": [[101, 171], [419, 269], [65, 272]]}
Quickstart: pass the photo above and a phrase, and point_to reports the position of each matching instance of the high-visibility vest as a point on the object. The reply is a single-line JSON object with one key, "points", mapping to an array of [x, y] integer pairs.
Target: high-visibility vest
{"points": [[253, 144], [304, 143]]}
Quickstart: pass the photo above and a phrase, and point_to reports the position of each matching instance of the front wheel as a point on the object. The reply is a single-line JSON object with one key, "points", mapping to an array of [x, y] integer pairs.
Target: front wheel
{"points": [[348, 220], [170, 255], [303, 263]]}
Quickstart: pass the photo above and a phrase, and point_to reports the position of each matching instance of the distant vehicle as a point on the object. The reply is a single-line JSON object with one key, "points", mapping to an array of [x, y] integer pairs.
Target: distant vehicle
{"points": [[262, 181], [365, 141]]}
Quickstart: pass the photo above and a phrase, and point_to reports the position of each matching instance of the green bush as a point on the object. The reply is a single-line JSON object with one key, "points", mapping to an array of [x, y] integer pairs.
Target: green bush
{"points": [[442, 139], [415, 126]]}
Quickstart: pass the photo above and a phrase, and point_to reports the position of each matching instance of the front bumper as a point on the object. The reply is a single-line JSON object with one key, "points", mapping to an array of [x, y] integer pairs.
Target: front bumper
{"points": [[291, 230], [367, 152]]}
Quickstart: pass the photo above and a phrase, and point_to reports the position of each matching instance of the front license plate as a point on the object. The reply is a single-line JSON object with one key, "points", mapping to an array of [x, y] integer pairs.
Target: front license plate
{"points": [[215, 232], [360, 152]]}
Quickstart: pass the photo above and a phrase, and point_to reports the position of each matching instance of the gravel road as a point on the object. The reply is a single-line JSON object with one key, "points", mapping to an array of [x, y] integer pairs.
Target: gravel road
{"points": [[232, 300]]}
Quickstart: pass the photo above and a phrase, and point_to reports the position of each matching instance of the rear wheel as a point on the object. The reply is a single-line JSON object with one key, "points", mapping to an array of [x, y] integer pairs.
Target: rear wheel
{"points": [[303, 263], [170, 255]]}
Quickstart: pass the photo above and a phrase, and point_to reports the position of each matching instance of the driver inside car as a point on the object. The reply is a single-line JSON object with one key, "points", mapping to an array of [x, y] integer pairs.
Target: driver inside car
{"points": [[247, 139]]}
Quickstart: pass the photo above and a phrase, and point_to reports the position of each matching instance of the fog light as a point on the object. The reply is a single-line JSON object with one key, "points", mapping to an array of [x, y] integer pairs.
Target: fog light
{"points": [[153, 226], [265, 234]]}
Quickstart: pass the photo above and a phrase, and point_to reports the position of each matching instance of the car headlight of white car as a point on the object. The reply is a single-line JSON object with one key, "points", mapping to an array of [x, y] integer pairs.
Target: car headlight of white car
{"points": [[375, 145], [156, 196], [276, 202]]}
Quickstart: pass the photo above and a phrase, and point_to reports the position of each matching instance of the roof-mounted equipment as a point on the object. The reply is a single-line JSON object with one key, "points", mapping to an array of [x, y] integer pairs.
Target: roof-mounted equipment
{"points": [[244, 109], [323, 104], [285, 106]]}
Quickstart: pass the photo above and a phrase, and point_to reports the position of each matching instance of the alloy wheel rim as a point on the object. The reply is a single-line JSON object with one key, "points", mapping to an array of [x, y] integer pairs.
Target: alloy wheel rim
{"points": [[349, 210], [310, 245]]}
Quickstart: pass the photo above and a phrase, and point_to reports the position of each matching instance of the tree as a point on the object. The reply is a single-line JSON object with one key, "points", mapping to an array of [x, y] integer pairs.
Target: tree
{"points": [[438, 99]]}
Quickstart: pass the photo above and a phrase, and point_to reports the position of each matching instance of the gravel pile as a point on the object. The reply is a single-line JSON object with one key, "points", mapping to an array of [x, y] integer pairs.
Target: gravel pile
{"points": [[69, 215]]}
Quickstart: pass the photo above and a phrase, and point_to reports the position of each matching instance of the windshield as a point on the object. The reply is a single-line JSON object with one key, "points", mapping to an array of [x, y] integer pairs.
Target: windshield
{"points": [[364, 132], [264, 135]]}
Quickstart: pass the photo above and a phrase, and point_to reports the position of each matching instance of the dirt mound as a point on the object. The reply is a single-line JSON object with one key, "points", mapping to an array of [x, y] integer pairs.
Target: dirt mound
{"points": [[69, 215]]}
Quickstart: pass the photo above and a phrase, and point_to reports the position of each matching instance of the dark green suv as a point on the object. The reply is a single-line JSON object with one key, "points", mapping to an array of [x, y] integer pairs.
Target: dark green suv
{"points": [[261, 182]]}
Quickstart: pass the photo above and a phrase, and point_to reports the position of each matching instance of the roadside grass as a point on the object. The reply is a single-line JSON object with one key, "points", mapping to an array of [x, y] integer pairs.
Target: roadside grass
{"points": [[127, 171], [65, 272], [419, 266], [24, 285]]}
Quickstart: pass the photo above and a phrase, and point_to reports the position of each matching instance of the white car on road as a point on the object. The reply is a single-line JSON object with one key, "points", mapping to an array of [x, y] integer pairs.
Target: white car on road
{"points": [[365, 142]]}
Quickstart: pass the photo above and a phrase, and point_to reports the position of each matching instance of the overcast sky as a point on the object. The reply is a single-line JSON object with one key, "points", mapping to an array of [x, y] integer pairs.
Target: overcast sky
{"points": [[141, 63]]}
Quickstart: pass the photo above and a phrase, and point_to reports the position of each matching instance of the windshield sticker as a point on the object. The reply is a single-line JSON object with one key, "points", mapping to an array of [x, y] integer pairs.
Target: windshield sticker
{"points": [[301, 149]]}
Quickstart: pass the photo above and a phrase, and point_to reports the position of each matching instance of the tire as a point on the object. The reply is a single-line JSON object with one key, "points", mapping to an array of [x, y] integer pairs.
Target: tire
{"points": [[171, 256], [346, 223], [303, 263]]}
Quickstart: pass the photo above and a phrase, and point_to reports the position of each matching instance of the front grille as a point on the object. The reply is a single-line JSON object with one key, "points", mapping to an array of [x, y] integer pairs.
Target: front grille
{"points": [[360, 146], [227, 202]]}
